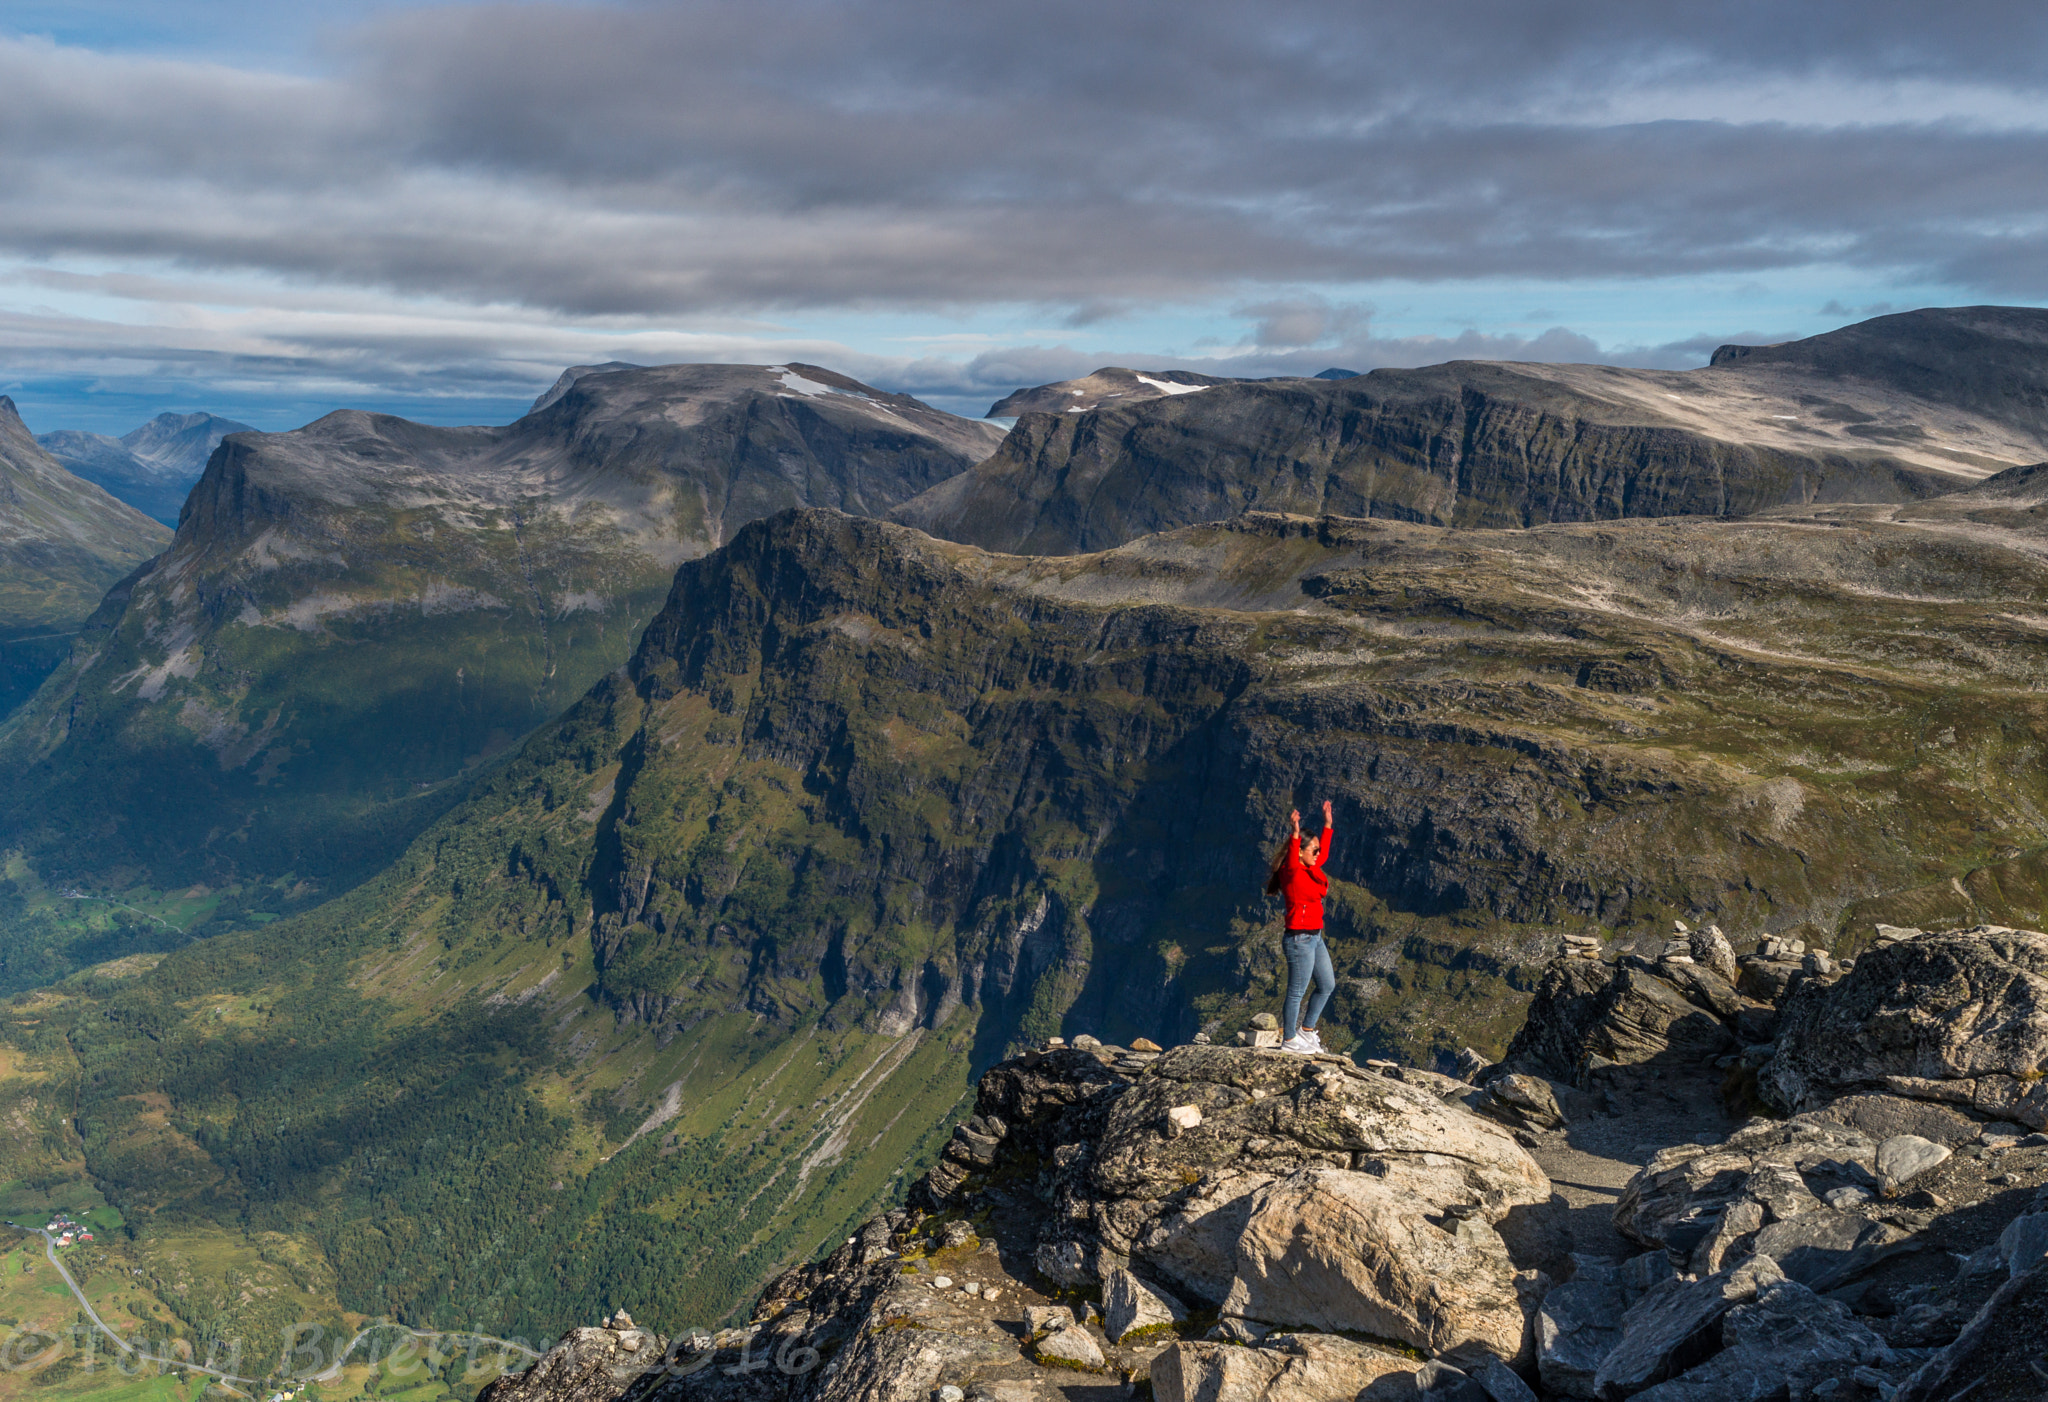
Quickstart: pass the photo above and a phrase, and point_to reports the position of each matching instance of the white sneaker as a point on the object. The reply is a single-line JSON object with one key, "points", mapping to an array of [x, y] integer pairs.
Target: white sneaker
{"points": [[1299, 1044], [1315, 1038]]}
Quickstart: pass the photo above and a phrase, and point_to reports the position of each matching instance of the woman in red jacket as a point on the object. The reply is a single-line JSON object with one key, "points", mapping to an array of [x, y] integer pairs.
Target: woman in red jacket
{"points": [[1297, 876]]}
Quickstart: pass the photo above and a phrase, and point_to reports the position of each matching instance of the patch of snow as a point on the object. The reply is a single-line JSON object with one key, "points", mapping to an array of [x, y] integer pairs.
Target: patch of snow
{"points": [[797, 384], [1168, 386], [1784, 416]]}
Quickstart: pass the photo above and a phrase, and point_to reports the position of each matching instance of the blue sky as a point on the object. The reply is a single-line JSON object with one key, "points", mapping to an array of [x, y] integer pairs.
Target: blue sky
{"points": [[430, 209]]}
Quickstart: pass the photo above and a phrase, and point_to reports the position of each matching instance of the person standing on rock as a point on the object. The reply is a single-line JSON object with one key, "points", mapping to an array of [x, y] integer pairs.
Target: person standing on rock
{"points": [[1297, 877]]}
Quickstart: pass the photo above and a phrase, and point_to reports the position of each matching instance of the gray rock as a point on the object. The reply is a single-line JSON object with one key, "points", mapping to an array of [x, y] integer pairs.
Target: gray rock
{"points": [[1266, 1022], [1501, 1383], [1741, 1218], [1904, 1157], [1674, 1325], [1041, 1319], [1826, 1250], [1780, 1343], [1882, 1116], [1640, 1274], [1577, 1326], [1072, 1346], [1130, 1305], [1678, 1198], [1960, 1017], [2023, 1244], [1711, 950], [1339, 1250], [1470, 1064], [1065, 1263], [1526, 1102]]}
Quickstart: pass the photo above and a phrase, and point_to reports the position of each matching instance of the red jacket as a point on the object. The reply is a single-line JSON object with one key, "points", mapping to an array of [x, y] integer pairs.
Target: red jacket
{"points": [[1304, 886]]}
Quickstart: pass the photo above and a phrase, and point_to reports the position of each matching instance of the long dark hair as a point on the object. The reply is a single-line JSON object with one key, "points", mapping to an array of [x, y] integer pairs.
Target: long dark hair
{"points": [[1278, 874], [1279, 871]]}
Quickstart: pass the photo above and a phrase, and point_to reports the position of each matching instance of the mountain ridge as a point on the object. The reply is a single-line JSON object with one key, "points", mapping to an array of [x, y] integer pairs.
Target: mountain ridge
{"points": [[151, 467], [1496, 444]]}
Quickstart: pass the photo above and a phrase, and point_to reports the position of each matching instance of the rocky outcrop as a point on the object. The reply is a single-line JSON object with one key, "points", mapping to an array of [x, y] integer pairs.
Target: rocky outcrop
{"points": [[587, 1365], [1265, 1227], [1960, 1017]]}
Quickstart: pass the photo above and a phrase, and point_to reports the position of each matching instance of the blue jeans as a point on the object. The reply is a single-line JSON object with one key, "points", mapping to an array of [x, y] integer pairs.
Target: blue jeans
{"points": [[1307, 957]]}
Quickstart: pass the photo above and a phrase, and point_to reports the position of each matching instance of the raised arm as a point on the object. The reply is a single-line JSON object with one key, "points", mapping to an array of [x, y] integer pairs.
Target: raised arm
{"points": [[1329, 832]]}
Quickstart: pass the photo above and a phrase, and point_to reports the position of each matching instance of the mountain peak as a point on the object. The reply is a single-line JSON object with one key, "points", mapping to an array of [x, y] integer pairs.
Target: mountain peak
{"points": [[7, 408], [570, 376]]}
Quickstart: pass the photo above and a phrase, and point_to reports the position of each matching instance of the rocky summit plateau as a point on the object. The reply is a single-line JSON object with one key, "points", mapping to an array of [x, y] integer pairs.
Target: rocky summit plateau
{"points": [[1696, 1176], [1892, 410]]}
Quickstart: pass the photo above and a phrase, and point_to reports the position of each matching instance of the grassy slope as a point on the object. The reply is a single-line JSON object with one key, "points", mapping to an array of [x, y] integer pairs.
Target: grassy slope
{"points": [[718, 952]]}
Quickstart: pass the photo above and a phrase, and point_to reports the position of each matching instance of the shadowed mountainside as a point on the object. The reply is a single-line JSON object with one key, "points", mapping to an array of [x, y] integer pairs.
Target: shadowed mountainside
{"points": [[1893, 410]]}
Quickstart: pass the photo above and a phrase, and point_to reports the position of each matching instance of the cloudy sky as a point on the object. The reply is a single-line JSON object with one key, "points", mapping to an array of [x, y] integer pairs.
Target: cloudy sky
{"points": [[269, 211]]}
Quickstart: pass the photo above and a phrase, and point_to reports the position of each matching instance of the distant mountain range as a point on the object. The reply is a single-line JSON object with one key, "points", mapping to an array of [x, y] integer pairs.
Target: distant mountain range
{"points": [[63, 543], [1894, 410], [151, 468], [353, 615]]}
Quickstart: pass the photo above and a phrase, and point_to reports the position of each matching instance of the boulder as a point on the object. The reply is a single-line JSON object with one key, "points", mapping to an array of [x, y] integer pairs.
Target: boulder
{"points": [[1779, 1344], [1677, 1199], [1711, 950], [1826, 1250], [1338, 1250], [1904, 1157], [2023, 1244], [1130, 1306], [1585, 1013], [1960, 1017], [1553, 1035], [1577, 1326], [1499, 1382], [1676, 1325], [1882, 1116], [1044, 1319], [1284, 1368], [1176, 1207], [1071, 1347], [1702, 987], [1524, 1102], [1767, 979]]}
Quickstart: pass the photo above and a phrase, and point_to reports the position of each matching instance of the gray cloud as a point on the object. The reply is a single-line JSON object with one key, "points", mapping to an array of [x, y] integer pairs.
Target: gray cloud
{"points": [[678, 158]]}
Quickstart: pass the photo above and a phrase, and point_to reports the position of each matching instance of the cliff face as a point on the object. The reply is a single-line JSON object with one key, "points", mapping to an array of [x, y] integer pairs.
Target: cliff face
{"points": [[353, 615], [1895, 410], [63, 541]]}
